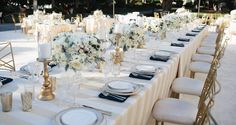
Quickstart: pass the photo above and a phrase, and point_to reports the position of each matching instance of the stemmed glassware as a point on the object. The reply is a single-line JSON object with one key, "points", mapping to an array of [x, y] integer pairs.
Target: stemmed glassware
{"points": [[35, 69], [106, 69], [116, 70]]}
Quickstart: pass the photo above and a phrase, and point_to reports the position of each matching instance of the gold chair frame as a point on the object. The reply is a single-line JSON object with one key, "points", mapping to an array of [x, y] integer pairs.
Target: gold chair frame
{"points": [[219, 47], [206, 99], [8, 64]]}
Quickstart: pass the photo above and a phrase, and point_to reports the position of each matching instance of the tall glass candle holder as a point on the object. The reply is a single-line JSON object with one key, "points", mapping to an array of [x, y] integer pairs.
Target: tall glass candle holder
{"points": [[44, 55], [118, 30]]}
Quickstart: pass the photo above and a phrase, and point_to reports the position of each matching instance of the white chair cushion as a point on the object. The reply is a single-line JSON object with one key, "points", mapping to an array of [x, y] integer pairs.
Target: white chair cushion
{"points": [[206, 50], [187, 85], [210, 40], [175, 111], [202, 58], [201, 67], [207, 44], [211, 37]]}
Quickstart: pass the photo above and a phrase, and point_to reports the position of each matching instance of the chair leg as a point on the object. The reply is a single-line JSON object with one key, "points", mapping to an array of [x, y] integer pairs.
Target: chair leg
{"points": [[157, 123], [162, 123], [174, 95], [192, 74]]}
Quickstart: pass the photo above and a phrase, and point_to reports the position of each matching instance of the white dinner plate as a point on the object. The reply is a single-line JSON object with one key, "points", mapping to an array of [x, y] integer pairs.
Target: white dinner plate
{"points": [[162, 53], [122, 87], [78, 116], [145, 68]]}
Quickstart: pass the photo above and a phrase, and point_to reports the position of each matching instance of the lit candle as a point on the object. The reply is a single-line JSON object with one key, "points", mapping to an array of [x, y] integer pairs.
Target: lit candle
{"points": [[44, 51]]}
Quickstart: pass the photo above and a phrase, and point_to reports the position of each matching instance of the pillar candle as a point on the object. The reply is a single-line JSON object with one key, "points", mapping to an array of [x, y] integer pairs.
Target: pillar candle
{"points": [[118, 28], [44, 51]]}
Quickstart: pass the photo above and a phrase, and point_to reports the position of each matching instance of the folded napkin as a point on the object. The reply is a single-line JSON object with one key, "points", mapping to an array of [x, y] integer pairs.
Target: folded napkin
{"points": [[25, 69], [143, 76], [52, 65], [183, 39], [177, 44], [159, 58], [114, 97], [5, 80], [200, 27], [190, 34], [196, 30]]}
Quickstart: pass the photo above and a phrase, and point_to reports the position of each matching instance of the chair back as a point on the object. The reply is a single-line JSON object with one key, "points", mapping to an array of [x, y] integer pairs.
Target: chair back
{"points": [[21, 17], [6, 57], [206, 99], [207, 93], [219, 42], [13, 18]]}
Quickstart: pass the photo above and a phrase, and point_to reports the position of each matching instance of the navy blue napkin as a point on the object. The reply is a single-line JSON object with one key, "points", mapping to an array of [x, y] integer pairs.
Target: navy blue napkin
{"points": [[52, 65], [196, 30], [141, 76], [177, 44], [113, 97], [5, 80], [190, 34], [159, 58], [183, 39]]}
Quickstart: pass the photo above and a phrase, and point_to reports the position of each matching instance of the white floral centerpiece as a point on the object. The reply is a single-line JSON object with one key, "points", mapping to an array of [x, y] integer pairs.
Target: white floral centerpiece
{"points": [[76, 50], [98, 13], [132, 36], [155, 25]]}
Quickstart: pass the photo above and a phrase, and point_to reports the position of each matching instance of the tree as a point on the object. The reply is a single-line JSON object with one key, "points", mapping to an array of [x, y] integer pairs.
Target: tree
{"points": [[167, 5]]}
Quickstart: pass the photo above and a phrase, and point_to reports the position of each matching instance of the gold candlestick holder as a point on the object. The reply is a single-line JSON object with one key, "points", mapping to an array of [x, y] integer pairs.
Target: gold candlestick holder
{"points": [[140, 45], [117, 56], [46, 93]]}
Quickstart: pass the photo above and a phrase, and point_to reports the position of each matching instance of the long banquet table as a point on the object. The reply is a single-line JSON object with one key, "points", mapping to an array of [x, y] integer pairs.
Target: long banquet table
{"points": [[136, 110]]}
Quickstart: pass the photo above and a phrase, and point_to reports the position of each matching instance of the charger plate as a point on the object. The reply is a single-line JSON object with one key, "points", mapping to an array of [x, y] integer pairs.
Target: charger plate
{"points": [[120, 87], [78, 116]]}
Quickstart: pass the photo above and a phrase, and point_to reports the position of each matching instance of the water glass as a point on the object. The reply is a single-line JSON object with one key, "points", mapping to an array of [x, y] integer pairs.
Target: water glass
{"points": [[27, 97], [116, 69], [6, 101], [106, 70]]}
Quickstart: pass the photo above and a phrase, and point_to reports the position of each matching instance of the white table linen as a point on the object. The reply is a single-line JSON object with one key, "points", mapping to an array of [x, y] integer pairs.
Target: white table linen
{"points": [[136, 110]]}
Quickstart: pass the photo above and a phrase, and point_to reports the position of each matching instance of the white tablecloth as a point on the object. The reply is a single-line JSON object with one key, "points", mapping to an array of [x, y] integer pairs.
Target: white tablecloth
{"points": [[136, 110]]}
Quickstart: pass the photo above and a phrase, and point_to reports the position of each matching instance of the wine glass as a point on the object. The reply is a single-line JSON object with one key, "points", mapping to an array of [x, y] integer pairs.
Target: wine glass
{"points": [[106, 70], [116, 70], [74, 88], [73, 79]]}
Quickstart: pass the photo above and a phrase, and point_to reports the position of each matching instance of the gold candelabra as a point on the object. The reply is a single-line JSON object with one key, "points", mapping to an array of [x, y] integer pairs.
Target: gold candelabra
{"points": [[46, 93], [117, 56]]}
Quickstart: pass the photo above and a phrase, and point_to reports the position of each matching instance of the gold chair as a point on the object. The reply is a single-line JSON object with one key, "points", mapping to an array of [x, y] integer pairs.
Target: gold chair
{"points": [[190, 86], [203, 65], [15, 22], [79, 17], [182, 112], [6, 57]]}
